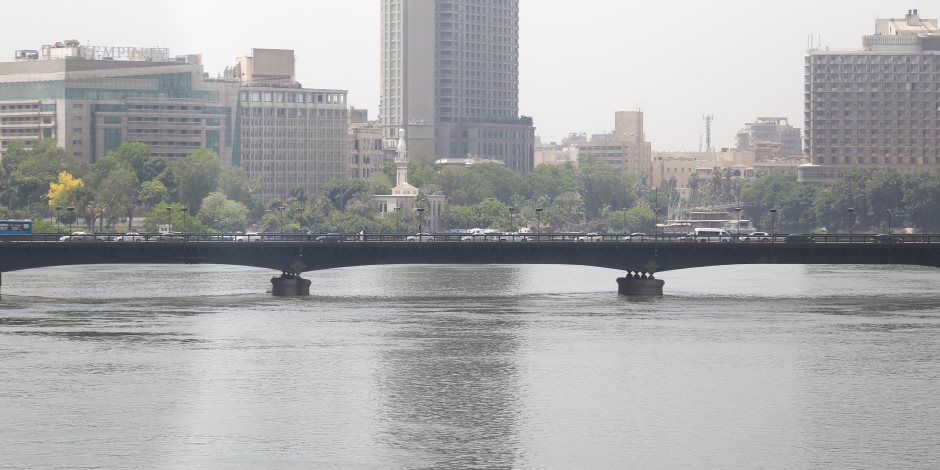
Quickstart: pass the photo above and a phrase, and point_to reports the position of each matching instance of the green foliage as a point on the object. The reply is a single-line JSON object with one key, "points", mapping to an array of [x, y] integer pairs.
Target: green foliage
{"points": [[222, 214], [153, 192], [181, 221], [195, 176]]}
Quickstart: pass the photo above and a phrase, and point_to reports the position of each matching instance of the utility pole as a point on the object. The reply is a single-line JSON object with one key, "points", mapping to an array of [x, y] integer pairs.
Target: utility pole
{"points": [[708, 132]]}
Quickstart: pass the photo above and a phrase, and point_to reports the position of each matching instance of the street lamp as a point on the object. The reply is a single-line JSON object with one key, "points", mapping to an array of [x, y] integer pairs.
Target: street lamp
{"points": [[851, 222], [71, 219], [888, 212], [624, 220], [738, 231], [773, 222], [420, 218], [169, 213], [184, 210], [538, 218], [281, 219], [398, 220], [512, 211], [58, 215]]}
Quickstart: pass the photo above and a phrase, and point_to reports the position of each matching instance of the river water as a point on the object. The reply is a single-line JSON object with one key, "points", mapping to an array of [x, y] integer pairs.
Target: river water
{"points": [[529, 367]]}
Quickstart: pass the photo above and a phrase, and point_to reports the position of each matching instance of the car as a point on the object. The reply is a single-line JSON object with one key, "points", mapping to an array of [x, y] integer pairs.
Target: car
{"points": [[78, 237], [330, 237], [886, 238], [420, 237], [756, 237], [513, 237], [131, 237], [590, 237], [248, 237], [636, 237], [799, 238]]}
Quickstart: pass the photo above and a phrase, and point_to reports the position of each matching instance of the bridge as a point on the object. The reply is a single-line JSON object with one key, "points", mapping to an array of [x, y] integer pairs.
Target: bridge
{"points": [[294, 254]]}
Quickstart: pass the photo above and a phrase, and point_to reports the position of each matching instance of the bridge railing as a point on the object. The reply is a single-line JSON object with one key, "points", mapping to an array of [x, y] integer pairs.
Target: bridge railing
{"points": [[567, 237]]}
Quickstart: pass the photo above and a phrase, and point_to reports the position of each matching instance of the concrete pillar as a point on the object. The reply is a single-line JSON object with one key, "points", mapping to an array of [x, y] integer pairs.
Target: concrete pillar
{"points": [[640, 284], [288, 284]]}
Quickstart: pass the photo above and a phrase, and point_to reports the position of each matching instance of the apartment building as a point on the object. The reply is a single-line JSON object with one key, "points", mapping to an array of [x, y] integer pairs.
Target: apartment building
{"points": [[289, 136], [367, 153], [450, 78], [876, 106]]}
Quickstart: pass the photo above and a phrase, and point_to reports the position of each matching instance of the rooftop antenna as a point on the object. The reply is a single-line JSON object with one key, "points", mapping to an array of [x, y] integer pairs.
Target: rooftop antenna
{"points": [[708, 132]]}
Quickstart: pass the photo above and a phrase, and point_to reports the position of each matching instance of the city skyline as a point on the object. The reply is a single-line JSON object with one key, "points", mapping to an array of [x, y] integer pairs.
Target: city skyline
{"points": [[676, 60]]}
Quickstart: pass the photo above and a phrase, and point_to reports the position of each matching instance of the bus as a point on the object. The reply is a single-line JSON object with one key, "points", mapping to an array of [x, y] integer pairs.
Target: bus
{"points": [[15, 229]]}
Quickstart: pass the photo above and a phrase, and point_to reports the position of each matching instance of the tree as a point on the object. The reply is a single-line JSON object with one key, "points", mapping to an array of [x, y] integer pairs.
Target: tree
{"points": [[116, 194], [195, 176], [153, 192], [223, 214], [64, 192]]}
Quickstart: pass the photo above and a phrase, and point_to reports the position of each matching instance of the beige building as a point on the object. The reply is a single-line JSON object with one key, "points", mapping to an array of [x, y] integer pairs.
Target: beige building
{"points": [[91, 99], [625, 148], [290, 136], [366, 146], [683, 165], [450, 78], [875, 106], [405, 198]]}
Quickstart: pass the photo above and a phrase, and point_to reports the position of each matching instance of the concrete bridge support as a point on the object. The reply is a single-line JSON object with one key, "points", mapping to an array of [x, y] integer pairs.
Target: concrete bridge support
{"points": [[289, 284], [640, 283]]}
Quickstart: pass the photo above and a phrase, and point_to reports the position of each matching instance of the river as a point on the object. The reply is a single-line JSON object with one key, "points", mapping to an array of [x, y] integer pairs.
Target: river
{"points": [[529, 367]]}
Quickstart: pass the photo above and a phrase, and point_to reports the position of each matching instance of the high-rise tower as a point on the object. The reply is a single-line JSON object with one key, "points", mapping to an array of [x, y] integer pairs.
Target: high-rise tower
{"points": [[450, 77]]}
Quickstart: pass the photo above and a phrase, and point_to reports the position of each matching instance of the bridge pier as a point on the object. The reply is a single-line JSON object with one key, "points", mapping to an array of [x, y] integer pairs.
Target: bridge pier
{"points": [[639, 283], [289, 284]]}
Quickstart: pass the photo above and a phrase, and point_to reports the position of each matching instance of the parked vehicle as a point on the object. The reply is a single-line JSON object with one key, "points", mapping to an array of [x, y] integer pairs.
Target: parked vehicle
{"points": [[590, 237], [756, 237], [248, 237]]}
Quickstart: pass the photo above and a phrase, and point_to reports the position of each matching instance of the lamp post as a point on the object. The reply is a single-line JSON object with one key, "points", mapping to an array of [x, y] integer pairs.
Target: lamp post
{"points": [[851, 222], [773, 223], [71, 219], [538, 218], [280, 221], [624, 210], [738, 231], [420, 218], [888, 212], [183, 211], [58, 215], [397, 220], [512, 210], [169, 213]]}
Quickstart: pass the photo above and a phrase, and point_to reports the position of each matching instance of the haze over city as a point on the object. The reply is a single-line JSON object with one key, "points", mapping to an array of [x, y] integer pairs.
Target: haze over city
{"points": [[579, 62]]}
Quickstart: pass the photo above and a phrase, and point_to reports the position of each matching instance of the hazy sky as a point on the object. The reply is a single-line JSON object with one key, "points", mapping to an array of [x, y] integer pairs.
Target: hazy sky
{"points": [[580, 60]]}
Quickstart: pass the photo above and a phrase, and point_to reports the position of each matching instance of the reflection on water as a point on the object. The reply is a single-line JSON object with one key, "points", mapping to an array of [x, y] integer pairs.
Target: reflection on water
{"points": [[449, 390], [532, 367]]}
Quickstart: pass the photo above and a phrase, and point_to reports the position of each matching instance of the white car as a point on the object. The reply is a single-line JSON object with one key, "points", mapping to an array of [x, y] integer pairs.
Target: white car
{"points": [[590, 237], [636, 237], [420, 237], [77, 237], [756, 237], [248, 237], [131, 237]]}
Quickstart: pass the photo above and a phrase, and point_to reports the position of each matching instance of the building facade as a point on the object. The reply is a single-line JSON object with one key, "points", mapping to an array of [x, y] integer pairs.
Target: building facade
{"points": [[91, 99], [290, 137], [450, 78], [770, 137], [625, 148], [367, 151], [875, 106]]}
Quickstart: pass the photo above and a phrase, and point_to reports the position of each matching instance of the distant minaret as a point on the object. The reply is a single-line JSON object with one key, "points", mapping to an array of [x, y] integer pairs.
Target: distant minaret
{"points": [[401, 160]]}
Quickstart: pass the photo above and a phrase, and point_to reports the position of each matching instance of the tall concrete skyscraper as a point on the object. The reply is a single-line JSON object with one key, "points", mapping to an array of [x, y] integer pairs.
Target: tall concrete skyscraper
{"points": [[877, 106], [450, 78]]}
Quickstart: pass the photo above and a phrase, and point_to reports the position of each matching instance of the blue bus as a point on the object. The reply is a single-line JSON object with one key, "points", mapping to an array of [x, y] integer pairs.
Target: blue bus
{"points": [[15, 229]]}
